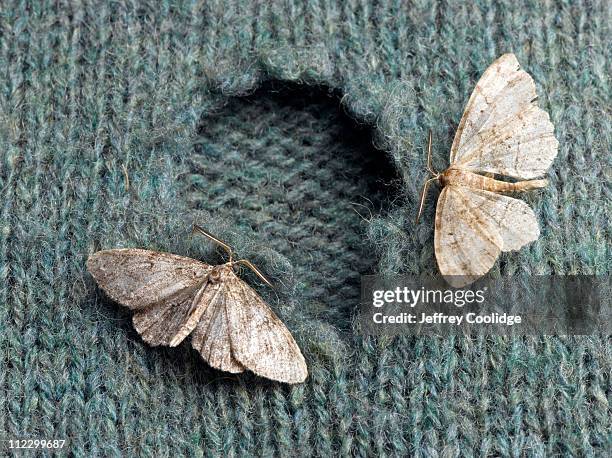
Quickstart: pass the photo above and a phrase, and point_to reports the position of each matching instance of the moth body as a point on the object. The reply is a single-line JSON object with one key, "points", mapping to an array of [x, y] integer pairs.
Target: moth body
{"points": [[459, 177], [221, 273], [217, 275]]}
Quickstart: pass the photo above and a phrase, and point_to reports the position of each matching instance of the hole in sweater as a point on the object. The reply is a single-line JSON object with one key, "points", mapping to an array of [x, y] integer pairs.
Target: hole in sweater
{"points": [[290, 163]]}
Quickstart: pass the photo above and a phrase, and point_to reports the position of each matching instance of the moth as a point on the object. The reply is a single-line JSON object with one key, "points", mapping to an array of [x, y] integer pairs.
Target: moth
{"points": [[173, 296], [502, 132]]}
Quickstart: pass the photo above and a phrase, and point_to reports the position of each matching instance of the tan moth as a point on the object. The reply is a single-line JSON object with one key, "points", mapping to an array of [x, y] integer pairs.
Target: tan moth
{"points": [[231, 326], [502, 131]]}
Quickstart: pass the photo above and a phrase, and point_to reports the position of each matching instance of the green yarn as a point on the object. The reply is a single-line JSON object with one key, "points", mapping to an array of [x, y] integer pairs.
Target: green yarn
{"points": [[296, 132]]}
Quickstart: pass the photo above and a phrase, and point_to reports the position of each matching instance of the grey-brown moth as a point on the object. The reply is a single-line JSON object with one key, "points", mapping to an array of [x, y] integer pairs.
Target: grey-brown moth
{"points": [[173, 296]]}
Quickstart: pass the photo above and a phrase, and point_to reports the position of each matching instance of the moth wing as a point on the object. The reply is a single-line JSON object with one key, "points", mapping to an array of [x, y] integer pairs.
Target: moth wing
{"points": [[260, 341], [515, 221], [160, 323], [502, 130], [211, 336], [139, 278], [466, 242]]}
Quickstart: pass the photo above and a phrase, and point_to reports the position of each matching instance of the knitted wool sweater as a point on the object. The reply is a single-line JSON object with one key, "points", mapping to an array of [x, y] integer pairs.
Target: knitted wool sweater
{"points": [[295, 131]]}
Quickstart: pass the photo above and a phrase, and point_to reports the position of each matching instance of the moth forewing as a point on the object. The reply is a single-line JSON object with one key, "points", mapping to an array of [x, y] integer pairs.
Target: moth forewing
{"points": [[138, 278], [522, 147], [502, 92], [260, 341], [159, 323], [207, 297], [211, 335]]}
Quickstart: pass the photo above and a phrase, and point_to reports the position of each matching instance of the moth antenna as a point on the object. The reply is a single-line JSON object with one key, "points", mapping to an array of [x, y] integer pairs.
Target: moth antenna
{"points": [[423, 195], [431, 170], [219, 242], [250, 265], [429, 165]]}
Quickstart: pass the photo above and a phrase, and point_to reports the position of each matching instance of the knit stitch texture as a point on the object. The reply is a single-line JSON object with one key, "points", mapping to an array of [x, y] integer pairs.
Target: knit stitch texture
{"points": [[295, 131]]}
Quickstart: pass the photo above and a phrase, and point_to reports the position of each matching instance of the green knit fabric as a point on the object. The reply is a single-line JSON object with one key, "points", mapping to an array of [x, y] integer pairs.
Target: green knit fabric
{"points": [[295, 132]]}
